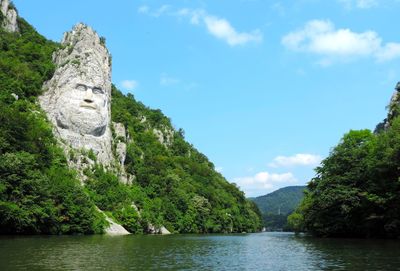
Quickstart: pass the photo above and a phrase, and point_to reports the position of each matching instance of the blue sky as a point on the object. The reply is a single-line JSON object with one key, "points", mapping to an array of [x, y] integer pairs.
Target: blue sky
{"points": [[264, 88]]}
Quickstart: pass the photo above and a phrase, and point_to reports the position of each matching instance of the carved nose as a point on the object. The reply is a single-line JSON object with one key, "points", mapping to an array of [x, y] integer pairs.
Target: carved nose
{"points": [[89, 96]]}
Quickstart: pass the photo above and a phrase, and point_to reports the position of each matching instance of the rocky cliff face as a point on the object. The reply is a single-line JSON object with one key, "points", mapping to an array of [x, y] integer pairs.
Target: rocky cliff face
{"points": [[393, 105], [77, 100], [393, 110], [9, 15]]}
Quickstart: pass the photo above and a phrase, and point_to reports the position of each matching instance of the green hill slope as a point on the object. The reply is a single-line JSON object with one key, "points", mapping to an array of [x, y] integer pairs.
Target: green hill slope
{"points": [[281, 201], [276, 206]]}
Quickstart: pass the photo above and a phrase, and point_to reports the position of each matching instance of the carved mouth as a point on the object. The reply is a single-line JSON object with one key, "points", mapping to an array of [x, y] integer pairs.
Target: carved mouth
{"points": [[87, 105]]}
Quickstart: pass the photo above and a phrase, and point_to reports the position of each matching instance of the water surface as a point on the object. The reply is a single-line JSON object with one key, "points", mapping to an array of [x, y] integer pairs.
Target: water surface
{"points": [[260, 251]]}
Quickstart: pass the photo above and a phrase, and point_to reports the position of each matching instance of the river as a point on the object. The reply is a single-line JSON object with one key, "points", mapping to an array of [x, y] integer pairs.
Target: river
{"points": [[259, 251]]}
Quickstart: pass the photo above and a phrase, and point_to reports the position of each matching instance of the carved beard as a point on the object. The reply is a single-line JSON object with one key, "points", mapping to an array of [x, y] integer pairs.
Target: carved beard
{"points": [[82, 120]]}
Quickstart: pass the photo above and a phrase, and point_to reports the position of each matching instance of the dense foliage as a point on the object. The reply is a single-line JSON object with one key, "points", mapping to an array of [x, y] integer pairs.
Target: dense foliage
{"points": [[356, 191], [38, 193], [276, 206], [176, 186]]}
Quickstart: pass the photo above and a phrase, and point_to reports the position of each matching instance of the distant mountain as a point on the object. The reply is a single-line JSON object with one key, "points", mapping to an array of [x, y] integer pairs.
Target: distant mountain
{"points": [[282, 201], [276, 206]]}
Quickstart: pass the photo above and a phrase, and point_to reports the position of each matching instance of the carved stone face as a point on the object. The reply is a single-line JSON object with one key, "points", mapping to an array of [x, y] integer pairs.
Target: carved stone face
{"points": [[82, 107], [77, 98]]}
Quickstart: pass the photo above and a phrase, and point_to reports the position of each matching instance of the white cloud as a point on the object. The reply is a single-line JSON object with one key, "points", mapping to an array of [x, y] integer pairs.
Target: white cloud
{"points": [[143, 9], [222, 29], [389, 51], [362, 4], [156, 13], [195, 15], [219, 169], [129, 84], [166, 80], [264, 182], [218, 27], [320, 37], [300, 159]]}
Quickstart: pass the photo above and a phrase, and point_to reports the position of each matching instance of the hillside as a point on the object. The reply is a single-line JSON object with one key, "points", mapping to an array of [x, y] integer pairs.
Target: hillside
{"points": [[276, 206], [356, 190], [281, 201], [153, 178]]}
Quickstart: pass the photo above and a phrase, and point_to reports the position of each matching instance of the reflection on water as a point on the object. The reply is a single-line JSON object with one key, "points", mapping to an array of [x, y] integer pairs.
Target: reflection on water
{"points": [[262, 251]]}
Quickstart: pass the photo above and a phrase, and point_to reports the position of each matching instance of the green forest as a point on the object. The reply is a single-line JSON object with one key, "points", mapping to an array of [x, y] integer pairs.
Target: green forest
{"points": [[278, 205], [356, 190], [175, 186]]}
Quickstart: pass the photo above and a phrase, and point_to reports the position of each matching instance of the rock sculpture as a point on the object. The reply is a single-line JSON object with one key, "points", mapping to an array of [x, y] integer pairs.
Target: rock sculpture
{"points": [[77, 98], [10, 15]]}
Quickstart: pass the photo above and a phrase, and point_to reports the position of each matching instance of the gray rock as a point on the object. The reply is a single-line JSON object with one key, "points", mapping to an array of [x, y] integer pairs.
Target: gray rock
{"points": [[119, 130], [115, 229], [120, 138], [151, 229], [163, 230], [16, 97], [164, 136], [10, 17], [394, 102], [77, 98]]}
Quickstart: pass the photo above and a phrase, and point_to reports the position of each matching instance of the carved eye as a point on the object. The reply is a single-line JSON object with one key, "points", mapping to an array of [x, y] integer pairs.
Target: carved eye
{"points": [[81, 87], [97, 90]]}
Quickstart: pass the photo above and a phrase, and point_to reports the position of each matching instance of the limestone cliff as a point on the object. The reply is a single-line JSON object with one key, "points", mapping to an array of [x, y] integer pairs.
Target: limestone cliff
{"points": [[9, 15], [77, 98], [393, 110], [77, 101]]}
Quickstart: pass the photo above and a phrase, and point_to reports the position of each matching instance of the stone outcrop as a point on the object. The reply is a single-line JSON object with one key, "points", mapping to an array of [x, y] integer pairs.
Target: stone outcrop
{"points": [[151, 229], [120, 140], [115, 229], [393, 110], [394, 103], [77, 98], [164, 136], [9, 15]]}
